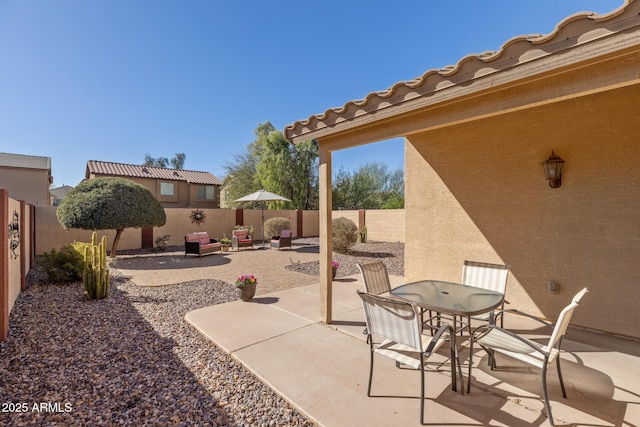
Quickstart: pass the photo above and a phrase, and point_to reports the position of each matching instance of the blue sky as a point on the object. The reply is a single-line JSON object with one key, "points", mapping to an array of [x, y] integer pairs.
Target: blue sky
{"points": [[114, 80]]}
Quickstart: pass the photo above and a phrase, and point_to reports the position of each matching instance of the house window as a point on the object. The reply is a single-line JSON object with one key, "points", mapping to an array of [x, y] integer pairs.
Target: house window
{"points": [[206, 192], [167, 189]]}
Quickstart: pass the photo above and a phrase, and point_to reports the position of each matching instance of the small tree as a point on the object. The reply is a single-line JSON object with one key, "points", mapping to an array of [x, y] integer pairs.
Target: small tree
{"points": [[110, 203]]}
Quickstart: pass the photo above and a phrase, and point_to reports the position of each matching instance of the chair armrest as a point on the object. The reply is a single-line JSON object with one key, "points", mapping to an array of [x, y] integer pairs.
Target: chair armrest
{"points": [[501, 313], [441, 330], [523, 340]]}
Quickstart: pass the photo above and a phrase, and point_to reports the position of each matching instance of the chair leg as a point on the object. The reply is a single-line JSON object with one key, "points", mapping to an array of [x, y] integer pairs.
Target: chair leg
{"points": [[564, 392], [544, 393], [470, 365], [421, 389], [370, 372]]}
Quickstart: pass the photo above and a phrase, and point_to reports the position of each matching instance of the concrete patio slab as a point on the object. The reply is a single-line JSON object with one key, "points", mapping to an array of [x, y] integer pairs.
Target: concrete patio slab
{"points": [[323, 369]]}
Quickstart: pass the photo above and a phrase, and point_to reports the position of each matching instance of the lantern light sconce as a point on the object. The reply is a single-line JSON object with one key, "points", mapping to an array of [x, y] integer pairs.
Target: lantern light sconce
{"points": [[553, 170]]}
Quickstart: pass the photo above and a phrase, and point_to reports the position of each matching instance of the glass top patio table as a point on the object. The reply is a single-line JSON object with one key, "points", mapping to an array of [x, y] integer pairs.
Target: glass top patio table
{"points": [[449, 297]]}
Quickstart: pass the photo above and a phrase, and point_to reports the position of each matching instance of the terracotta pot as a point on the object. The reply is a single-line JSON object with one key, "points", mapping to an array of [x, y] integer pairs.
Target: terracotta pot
{"points": [[247, 292]]}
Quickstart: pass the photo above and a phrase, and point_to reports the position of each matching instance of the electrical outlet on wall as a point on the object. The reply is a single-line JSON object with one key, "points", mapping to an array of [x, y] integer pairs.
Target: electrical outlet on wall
{"points": [[553, 286]]}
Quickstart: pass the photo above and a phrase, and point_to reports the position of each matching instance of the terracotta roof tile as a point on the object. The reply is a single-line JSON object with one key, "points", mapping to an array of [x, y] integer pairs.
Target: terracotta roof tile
{"points": [[138, 171]]}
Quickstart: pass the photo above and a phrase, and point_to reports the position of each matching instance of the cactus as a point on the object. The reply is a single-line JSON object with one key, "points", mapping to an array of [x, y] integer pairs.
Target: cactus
{"points": [[95, 275], [363, 234]]}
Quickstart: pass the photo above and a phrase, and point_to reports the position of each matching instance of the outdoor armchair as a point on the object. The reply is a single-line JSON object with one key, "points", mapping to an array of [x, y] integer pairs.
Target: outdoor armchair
{"points": [[240, 239], [281, 241], [397, 327], [496, 339]]}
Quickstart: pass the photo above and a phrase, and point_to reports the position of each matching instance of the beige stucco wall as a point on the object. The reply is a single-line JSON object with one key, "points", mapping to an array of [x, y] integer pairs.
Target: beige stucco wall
{"points": [[51, 235], [310, 223], [387, 225], [217, 222], [185, 196], [30, 185], [477, 191]]}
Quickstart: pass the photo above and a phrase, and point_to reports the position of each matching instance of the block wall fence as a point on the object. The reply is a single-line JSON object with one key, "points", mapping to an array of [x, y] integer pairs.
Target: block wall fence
{"points": [[382, 225], [16, 253]]}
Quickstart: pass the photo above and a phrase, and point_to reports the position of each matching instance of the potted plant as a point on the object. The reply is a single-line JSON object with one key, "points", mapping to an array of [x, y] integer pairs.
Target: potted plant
{"points": [[334, 268], [225, 242], [247, 285]]}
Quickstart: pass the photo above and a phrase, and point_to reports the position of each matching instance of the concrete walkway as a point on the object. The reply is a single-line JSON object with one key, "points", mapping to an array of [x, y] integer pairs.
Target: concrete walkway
{"points": [[323, 369]]}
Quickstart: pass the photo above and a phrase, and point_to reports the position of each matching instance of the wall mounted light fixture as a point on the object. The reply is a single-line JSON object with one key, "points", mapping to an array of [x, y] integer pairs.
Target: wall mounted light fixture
{"points": [[553, 170]]}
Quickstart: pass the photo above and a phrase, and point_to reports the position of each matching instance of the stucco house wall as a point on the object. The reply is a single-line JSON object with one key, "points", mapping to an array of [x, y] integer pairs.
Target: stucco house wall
{"points": [[26, 178], [485, 198]]}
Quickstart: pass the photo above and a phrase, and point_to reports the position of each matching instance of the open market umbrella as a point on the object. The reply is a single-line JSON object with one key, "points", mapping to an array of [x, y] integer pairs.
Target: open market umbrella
{"points": [[262, 196]]}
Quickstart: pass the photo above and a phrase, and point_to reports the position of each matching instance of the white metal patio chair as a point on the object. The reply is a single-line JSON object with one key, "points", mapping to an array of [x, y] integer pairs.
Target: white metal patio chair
{"points": [[375, 277], [397, 324], [480, 275], [495, 339]]}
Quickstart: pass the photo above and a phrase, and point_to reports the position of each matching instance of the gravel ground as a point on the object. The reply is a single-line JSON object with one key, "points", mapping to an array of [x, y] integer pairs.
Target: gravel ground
{"points": [[132, 359], [391, 253]]}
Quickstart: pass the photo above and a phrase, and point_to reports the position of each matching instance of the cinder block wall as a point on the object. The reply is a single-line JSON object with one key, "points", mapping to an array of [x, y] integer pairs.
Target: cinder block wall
{"points": [[50, 234], [385, 225], [382, 225]]}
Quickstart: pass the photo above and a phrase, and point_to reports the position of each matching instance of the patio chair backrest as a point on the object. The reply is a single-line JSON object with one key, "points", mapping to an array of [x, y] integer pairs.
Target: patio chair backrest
{"points": [[285, 233], [564, 319], [375, 277], [240, 234], [392, 320], [486, 276]]}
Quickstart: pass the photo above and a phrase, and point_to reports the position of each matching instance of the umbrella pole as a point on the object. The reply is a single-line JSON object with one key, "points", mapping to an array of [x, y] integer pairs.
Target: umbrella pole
{"points": [[263, 225]]}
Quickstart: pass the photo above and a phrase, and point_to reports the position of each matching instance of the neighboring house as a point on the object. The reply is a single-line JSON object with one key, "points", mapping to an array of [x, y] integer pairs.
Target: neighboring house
{"points": [[476, 134], [26, 177], [174, 188], [59, 193]]}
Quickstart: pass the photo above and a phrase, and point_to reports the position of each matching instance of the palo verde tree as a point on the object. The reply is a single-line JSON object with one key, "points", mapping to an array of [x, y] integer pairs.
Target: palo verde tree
{"points": [[110, 204]]}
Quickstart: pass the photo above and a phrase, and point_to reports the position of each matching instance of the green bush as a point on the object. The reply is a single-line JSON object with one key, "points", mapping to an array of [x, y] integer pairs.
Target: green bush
{"points": [[64, 265], [345, 234], [162, 242], [273, 226]]}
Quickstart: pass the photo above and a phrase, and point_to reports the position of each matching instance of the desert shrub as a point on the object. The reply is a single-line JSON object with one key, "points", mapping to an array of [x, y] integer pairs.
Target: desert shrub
{"points": [[345, 234], [162, 242], [273, 226], [64, 265]]}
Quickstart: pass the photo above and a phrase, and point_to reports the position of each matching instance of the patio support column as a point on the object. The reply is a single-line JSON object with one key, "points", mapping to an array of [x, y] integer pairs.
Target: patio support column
{"points": [[326, 296]]}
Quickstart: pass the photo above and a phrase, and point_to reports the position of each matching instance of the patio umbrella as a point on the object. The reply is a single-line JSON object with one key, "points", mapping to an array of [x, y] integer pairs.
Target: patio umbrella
{"points": [[262, 196]]}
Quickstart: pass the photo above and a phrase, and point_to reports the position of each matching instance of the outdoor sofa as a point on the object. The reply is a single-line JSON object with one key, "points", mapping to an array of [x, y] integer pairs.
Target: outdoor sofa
{"points": [[199, 243]]}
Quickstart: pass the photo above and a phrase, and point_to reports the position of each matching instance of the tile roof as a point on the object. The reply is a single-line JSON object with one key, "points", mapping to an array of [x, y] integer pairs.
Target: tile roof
{"points": [[138, 171], [575, 30], [25, 161]]}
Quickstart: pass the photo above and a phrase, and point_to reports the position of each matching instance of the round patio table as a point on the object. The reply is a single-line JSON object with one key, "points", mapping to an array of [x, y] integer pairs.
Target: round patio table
{"points": [[449, 297]]}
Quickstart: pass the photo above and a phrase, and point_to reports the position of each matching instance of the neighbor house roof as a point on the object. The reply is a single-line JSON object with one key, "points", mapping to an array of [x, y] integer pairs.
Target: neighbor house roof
{"points": [[475, 72], [96, 167], [25, 161]]}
